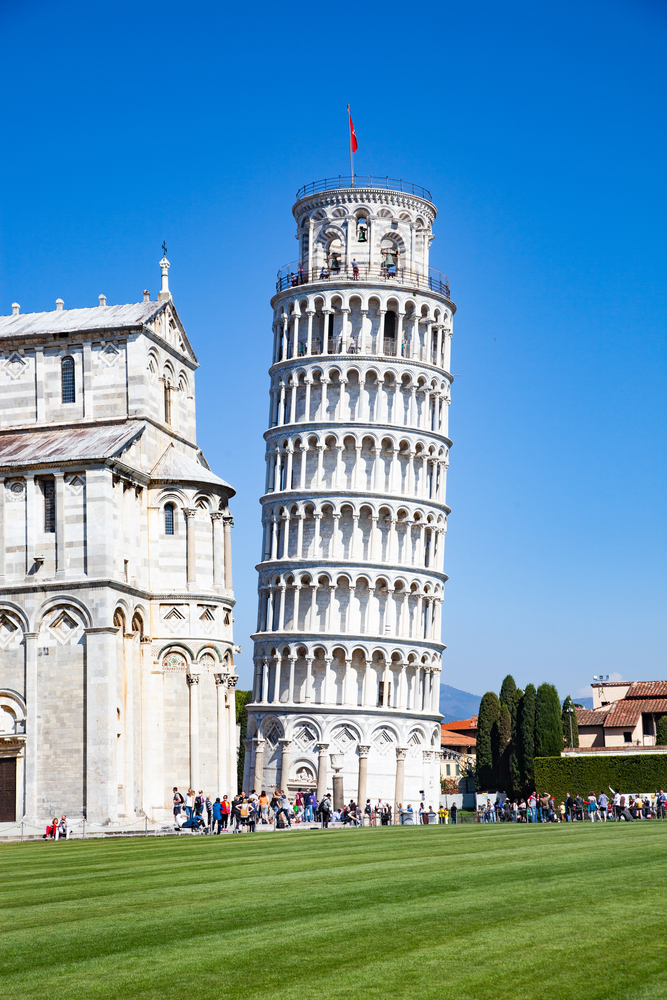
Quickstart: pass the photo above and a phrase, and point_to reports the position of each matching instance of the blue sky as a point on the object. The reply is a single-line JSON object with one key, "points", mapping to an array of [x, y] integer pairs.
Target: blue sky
{"points": [[540, 131]]}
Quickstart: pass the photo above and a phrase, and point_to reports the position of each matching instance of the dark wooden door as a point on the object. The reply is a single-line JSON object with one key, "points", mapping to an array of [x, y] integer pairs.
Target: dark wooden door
{"points": [[7, 789]]}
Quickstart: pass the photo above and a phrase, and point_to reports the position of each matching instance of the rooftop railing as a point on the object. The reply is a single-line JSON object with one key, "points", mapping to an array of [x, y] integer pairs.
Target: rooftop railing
{"points": [[295, 274], [360, 181]]}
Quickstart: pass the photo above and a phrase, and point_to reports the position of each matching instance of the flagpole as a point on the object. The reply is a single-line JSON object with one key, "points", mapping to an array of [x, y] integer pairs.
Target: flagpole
{"points": [[349, 129]]}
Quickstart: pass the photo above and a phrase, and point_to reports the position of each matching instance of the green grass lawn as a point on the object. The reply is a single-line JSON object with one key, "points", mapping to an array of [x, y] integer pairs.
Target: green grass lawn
{"points": [[469, 912]]}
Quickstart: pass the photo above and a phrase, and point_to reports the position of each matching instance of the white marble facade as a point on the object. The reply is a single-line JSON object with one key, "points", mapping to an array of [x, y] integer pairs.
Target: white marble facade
{"points": [[116, 648], [348, 650]]}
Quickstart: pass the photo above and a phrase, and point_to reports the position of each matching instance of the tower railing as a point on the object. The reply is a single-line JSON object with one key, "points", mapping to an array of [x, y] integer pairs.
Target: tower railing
{"points": [[294, 274], [363, 181]]}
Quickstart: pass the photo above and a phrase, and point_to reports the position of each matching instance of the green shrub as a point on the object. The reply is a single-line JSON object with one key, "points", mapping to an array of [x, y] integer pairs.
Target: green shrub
{"points": [[583, 775]]}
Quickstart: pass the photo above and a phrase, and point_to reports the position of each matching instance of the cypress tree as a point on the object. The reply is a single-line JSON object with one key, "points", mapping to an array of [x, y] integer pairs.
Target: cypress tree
{"points": [[516, 779], [507, 752], [487, 725], [568, 717], [548, 724], [508, 696], [504, 749], [661, 731], [526, 727]]}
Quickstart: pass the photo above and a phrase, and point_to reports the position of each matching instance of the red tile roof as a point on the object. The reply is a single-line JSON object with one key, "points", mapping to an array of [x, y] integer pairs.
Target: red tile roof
{"points": [[450, 739], [461, 724], [592, 717], [627, 712], [648, 689]]}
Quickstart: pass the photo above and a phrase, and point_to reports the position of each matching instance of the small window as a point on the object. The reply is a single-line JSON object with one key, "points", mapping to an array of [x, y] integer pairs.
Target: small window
{"points": [[169, 519], [627, 737], [167, 403], [67, 380], [49, 490]]}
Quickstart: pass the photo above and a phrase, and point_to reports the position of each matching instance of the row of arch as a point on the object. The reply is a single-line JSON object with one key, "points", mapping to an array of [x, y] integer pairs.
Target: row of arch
{"points": [[358, 324], [357, 532], [345, 461], [355, 604], [357, 676], [361, 395]]}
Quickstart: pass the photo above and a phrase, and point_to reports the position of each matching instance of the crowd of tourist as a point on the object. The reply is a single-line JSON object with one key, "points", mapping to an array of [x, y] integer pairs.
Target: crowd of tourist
{"points": [[199, 813], [245, 812], [542, 808]]}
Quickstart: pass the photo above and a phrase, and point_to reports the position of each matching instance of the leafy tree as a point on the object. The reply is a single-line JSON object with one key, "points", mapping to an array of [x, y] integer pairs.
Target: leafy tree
{"points": [[569, 716], [548, 723], [242, 699], [487, 726], [504, 749], [526, 738], [661, 731]]}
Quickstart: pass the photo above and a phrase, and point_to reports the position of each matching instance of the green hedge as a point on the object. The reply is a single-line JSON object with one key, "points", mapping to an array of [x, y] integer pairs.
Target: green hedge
{"points": [[583, 775]]}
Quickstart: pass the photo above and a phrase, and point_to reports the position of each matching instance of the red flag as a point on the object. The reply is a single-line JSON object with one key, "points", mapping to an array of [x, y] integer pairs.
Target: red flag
{"points": [[353, 135]]}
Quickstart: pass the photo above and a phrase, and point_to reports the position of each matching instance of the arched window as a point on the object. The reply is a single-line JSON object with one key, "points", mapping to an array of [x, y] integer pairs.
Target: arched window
{"points": [[167, 402], [67, 380], [169, 519]]}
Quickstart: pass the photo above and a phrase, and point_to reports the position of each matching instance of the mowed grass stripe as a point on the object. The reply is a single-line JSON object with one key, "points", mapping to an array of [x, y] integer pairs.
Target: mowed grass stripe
{"points": [[383, 913]]}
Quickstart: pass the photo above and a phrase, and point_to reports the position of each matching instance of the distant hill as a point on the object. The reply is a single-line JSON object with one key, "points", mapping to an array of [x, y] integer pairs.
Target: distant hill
{"points": [[455, 704]]}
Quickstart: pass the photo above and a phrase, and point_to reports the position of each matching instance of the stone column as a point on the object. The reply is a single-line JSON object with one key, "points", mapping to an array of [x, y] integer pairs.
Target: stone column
{"points": [[309, 678], [223, 739], [285, 746], [229, 522], [399, 791], [337, 762], [32, 727], [258, 778], [190, 513], [218, 550], [321, 770], [276, 680], [101, 774], [265, 681], [230, 707], [193, 686], [290, 689], [363, 775]]}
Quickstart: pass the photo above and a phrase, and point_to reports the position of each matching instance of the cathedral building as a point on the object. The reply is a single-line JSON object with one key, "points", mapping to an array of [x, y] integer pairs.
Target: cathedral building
{"points": [[116, 648], [348, 650]]}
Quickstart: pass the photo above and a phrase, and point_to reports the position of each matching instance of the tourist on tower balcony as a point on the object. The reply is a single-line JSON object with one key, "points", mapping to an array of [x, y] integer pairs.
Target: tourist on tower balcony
{"points": [[355, 269]]}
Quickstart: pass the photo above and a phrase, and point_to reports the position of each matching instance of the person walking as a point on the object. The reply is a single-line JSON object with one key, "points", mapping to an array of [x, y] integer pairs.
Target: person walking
{"points": [[603, 802], [190, 803], [209, 813], [454, 813], [178, 802], [216, 818]]}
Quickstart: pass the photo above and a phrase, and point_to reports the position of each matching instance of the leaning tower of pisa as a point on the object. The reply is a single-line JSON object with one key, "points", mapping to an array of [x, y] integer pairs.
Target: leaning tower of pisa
{"points": [[348, 650]]}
